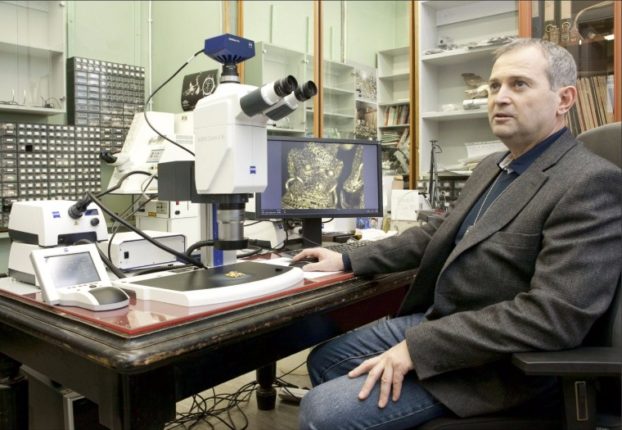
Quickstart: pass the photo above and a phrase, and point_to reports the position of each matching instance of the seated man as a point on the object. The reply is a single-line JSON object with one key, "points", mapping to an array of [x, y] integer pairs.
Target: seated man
{"points": [[528, 260]]}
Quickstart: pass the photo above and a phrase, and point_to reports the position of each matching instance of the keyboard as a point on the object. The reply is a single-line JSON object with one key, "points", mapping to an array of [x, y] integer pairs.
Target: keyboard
{"points": [[341, 248], [344, 248]]}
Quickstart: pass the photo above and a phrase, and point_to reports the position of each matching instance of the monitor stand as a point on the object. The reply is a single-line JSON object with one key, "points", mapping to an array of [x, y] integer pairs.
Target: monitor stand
{"points": [[311, 232]]}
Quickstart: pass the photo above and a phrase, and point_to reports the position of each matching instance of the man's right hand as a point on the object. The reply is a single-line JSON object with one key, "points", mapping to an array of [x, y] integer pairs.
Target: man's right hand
{"points": [[328, 261]]}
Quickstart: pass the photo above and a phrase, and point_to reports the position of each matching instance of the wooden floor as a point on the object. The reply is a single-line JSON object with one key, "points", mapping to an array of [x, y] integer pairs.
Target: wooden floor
{"points": [[283, 417]]}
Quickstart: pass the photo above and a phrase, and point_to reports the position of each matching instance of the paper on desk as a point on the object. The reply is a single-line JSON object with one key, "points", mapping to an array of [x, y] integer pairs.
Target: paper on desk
{"points": [[405, 204], [284, 261], [374, 233]]}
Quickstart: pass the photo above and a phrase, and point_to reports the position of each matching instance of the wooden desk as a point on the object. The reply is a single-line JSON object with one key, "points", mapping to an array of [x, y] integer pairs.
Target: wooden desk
{"points": [[137, 378]]}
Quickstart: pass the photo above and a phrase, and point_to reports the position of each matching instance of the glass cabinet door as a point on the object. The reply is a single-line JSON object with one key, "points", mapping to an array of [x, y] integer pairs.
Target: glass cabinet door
{"points": [[283, 36], [586, 29], [366, 70]]}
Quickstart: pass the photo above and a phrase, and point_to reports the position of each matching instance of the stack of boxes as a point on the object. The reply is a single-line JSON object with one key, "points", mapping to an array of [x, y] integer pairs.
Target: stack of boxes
{"points": [[39, 161], [88, 144], [8, 170], [62, 162], [103, 94], [32, 161]]}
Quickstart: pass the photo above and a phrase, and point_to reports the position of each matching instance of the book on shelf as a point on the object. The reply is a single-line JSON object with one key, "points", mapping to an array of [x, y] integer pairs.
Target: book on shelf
{"points": [[404, 141], [390, 138], [396, 115], [594, 103]]}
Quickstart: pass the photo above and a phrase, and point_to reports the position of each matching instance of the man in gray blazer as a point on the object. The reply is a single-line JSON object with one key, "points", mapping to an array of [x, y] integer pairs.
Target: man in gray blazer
{"points": [[527, 260]]}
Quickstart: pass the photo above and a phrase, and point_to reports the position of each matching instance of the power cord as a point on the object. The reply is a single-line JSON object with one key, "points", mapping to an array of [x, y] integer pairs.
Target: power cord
{"points": [[179, 255], [158, 89], [203, 409]]}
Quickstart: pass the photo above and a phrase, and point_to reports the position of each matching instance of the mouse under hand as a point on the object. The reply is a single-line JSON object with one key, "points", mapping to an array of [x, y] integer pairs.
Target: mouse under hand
{"points": [[303, 262]]}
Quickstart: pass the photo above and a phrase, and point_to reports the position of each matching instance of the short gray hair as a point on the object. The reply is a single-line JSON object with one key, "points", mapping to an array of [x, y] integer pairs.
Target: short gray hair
{"points": [[561, 70]]}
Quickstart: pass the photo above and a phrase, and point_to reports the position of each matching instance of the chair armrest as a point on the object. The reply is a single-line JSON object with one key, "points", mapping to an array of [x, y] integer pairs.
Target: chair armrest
{"points": [[583, 361]]}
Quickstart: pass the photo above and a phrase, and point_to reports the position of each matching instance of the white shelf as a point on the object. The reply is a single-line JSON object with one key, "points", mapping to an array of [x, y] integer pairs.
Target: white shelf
{"points": [[35, 110], [454, 115], [337, 91], [393, 127], [458, 56], [395, 103], [39, 51], [395, 76], [338, 115]]}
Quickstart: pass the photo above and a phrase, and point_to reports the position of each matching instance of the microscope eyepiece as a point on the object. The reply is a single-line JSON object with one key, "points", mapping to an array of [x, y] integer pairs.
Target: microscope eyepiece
{"points": [[262, 98], [284, 86], [290, 103], [306, 91]]}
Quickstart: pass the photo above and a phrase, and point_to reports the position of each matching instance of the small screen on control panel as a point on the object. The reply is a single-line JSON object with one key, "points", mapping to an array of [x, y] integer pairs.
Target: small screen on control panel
{"points": [[72, 269]]}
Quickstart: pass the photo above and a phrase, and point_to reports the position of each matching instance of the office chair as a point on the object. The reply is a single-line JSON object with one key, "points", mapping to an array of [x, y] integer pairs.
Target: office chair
{"points": [[579, 369], [605, 141]]}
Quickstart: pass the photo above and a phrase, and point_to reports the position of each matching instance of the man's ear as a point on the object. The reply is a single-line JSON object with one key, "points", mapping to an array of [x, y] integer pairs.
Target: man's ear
{"points": [[567, 98]]}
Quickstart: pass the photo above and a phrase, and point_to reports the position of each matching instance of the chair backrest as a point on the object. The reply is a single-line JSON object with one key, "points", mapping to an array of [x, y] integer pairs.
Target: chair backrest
{"points": [[605, 141]]}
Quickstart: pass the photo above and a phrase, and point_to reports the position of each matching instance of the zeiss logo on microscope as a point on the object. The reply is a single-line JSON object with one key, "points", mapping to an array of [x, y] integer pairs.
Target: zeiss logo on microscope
{"points": [[252, 170]]}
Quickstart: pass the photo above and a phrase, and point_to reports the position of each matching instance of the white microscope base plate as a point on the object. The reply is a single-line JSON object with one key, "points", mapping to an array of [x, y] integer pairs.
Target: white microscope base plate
{"points": [[214, 285]]}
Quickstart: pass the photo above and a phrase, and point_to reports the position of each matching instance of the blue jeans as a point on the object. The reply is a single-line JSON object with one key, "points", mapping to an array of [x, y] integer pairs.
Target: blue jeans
{"points": [[333, 402]]}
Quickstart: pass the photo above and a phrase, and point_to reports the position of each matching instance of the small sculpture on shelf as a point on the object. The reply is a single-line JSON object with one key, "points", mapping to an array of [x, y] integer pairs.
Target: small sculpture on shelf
{"points": [[476, 94]]}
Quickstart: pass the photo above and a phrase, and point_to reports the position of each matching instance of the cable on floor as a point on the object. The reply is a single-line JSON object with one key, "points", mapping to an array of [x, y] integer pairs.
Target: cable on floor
{"points": [[213, 407]]}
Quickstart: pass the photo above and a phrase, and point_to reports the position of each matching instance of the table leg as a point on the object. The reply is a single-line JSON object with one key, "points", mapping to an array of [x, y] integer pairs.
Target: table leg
{"points": [[13, 395], [266, 394]]}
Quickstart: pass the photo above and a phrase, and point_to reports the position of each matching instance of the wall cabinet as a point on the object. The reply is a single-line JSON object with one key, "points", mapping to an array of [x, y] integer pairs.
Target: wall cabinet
{"points": [[590, 30], [455, 38], [32, 55]]}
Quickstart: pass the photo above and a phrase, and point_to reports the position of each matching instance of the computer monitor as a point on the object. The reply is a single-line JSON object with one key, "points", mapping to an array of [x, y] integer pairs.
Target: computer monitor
{"points": [[313, 178]]}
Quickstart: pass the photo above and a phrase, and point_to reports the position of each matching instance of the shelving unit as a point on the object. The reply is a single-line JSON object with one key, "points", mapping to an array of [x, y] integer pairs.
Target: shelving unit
{"points": [[339, 95], [394, 131], [591, 31], [465, 26], [32, 54]]}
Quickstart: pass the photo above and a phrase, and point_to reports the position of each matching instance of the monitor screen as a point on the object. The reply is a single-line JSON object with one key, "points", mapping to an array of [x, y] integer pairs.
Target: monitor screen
{"points": [[72, 269], [313, 178]]}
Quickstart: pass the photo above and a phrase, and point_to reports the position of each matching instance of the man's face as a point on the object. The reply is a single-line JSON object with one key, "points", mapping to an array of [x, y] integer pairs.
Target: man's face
{"points": [[522, 108]]}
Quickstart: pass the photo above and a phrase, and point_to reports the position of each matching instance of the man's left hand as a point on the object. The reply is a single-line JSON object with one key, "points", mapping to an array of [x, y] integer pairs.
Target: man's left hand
{"points": [[390, 367]]}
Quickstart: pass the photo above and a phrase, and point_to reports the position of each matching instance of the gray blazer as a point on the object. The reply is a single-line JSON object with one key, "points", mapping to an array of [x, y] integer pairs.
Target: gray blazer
{"points": [[534, 273]]}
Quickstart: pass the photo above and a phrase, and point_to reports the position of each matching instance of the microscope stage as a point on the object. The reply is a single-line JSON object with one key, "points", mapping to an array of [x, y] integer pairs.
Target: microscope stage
{"points": [[192, 287]]}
